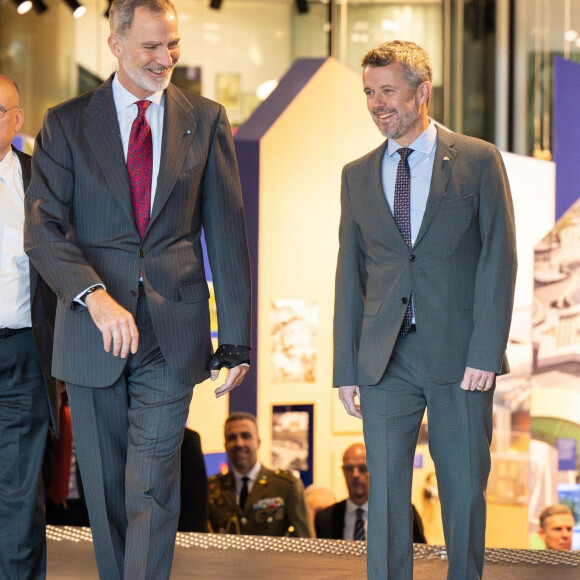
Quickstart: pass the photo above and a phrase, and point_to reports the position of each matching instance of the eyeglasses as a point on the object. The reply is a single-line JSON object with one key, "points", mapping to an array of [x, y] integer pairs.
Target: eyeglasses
{"points": [[3, 111], [362, 469]]}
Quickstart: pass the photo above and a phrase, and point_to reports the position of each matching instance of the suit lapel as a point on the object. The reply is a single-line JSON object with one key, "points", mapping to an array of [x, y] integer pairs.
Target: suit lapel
{"points": [[102, 133], [445, 154], [178, 133]]}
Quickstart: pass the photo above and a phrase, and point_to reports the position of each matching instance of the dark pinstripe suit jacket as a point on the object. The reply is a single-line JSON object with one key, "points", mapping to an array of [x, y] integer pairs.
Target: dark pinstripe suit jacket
{"points": [[80, 231], [42, 311]]}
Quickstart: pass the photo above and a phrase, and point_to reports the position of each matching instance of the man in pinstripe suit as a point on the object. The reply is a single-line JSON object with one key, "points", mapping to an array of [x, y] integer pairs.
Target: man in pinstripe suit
{"points": [[132, 330]]}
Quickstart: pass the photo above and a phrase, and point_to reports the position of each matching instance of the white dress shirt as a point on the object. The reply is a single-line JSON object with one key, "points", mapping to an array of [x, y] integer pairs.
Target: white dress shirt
{"points": [[350, 518], [252, 475], [14, 266]]}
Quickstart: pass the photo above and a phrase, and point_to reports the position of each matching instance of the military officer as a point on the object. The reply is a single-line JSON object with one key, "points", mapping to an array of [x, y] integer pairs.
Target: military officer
{"points": [[252, 499]]}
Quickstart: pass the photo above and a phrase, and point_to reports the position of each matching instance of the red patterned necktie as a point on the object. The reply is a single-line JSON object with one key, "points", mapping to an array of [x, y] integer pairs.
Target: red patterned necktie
{"points": [[140, 167], [402, 215]]}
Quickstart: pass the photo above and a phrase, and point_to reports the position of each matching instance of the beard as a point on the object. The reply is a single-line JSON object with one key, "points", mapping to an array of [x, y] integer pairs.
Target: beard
{"points": [[142, 79]]}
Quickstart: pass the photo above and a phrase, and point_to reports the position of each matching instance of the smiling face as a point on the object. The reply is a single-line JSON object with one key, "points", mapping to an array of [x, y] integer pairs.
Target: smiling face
{"points": [[148, 52], [242, 444], [399, 111]]}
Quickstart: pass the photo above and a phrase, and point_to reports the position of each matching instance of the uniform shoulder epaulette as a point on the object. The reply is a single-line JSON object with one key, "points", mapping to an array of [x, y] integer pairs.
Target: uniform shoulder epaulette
{"points": [[285, 474]]}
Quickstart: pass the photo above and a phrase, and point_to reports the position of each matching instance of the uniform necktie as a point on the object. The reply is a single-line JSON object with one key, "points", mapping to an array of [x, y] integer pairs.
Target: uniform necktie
{"points": [[359, 525], [402, 215], [244, 492], [140, 167]]}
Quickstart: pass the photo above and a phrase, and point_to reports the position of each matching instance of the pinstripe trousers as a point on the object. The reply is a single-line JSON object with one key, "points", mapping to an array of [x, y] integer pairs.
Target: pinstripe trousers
{"points": [[128, 440]]}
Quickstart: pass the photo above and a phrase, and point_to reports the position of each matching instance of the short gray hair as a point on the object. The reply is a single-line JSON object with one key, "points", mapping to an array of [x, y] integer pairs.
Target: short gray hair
{"points": [[122, 12], [414, 59]]}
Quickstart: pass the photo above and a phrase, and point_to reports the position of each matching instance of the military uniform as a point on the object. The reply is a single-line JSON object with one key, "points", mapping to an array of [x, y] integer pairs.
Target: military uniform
{"points": [[275, 506]]}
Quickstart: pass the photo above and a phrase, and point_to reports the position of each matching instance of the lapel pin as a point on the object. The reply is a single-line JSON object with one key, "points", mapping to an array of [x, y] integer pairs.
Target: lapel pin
{"points": [[188, 132]]}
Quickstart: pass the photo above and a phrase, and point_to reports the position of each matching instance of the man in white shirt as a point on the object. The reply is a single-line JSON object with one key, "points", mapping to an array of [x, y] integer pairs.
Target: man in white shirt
{"points": [[24, 366]]}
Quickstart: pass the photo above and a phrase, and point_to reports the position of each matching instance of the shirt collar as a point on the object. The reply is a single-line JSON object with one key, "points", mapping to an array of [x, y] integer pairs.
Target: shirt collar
{"points": [[7, 166], [424, 143], [123, 98], [252, 475], [351, 507]]}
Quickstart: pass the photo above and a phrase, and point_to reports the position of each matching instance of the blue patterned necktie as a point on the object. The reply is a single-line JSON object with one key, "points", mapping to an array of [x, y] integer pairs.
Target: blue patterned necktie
{"points": [[359, 525], [402, 215]]}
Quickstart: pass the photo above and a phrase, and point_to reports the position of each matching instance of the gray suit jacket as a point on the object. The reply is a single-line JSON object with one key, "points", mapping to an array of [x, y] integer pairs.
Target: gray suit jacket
{"points": [[461, 270], [42, 311], [81, 231]]}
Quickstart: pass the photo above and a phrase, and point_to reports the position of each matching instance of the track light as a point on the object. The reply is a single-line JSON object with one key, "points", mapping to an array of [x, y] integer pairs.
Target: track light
{"points": [[302, 6], [77, 8], [106, 14], [23, 6], [215, 4], [39, 6]]}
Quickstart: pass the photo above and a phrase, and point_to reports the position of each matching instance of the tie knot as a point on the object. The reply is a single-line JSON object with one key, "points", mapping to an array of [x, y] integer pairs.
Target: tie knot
{"points": [[245, 479], [404, 152], [359, 512], [143, 105]]}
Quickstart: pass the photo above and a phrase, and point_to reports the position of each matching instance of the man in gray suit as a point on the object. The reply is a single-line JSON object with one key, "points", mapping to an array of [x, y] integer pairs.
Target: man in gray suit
{"points": [[26, 326], [424, 295], [125, 178]]}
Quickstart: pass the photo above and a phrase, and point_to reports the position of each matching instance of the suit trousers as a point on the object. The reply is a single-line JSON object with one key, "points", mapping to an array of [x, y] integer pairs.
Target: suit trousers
{"points": [[23, 428], [128, 441], [460, 430]]}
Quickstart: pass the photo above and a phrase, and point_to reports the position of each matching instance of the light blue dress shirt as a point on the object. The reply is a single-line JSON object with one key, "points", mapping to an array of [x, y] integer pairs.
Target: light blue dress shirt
{"points": [[421, 165]]}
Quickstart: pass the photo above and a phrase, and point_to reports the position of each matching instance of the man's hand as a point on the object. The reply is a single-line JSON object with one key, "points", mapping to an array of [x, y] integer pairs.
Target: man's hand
{"points": [[476, 380], [235, 377], [347, 395], [115, 323]]}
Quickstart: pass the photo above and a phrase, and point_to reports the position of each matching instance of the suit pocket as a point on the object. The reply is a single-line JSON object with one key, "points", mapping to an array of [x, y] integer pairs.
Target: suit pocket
{"points": [[372, 307], [191, 293], [457, 203]]}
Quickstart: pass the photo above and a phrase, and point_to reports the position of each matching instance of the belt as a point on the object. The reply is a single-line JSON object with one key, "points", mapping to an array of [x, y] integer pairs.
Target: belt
{"points": [[141, 292], [413, 328], [8, 332]]}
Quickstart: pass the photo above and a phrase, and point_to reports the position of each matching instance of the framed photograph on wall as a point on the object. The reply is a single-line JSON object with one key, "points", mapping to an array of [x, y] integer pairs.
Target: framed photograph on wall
{"points": [[292, 440], [228, 91]]}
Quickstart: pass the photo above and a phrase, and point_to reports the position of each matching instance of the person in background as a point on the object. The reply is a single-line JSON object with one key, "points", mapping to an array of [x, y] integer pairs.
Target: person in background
{"points": [[424, 293], [347, 519], [317, 498], [29, 395], [556, 527], [125, 179], [252, 499]]}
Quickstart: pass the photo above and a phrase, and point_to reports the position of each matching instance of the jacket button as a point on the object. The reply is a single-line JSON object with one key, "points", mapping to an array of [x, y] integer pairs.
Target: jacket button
{"points": [[404, 300], [133, 293], [412, 258], [141, 254]]}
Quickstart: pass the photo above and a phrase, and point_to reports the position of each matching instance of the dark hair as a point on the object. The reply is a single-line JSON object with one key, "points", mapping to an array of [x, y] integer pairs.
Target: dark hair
{"points": [[414, 59], [122, 12], [241, 416]]}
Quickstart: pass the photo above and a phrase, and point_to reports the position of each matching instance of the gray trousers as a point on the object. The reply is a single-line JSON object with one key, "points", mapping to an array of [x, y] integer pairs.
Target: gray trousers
{"points": [[460, 429], [128, 440]]}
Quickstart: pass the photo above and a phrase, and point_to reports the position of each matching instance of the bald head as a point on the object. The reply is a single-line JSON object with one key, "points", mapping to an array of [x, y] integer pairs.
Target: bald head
{"points": [[13, 118], [356, 475]]}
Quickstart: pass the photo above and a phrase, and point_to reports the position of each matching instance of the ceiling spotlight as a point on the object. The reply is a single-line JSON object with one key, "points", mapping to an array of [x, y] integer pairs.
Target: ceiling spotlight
{"points": [[23, 6], [77, 8], [106, 14], [302, 6], [215, 4]]}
